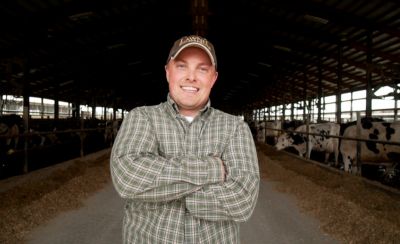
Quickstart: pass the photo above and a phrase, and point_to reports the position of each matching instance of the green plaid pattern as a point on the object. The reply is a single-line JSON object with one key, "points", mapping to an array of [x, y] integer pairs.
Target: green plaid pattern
{"points": [[169, 172]]}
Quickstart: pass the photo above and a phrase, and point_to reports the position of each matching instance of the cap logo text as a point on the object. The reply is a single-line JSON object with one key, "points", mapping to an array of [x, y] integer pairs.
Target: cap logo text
{"points": [[197, 39]]}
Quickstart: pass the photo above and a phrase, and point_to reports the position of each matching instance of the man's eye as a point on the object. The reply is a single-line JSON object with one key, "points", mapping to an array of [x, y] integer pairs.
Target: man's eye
{"points": [[203, 69]]}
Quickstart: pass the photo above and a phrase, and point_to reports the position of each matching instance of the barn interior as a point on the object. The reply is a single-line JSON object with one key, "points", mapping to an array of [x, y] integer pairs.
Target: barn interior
{"points": [[112, 53], [270, 52]]}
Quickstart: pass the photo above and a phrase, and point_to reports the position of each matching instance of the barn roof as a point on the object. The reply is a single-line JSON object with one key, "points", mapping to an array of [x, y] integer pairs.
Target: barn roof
{"points": [[269, 52]]}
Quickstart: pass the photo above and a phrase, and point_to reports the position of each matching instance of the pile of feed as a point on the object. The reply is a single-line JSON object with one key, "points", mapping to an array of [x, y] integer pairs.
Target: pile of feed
{"points": [[349, 208], [37, 197]]}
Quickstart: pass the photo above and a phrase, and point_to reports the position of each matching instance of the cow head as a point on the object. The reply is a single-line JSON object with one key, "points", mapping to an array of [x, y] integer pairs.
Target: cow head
{"points": [[285, 140], [3, 128]]}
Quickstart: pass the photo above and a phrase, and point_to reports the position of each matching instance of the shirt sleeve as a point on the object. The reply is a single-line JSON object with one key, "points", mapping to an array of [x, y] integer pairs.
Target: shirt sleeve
{"points": [[139, 172], [236, 198]]}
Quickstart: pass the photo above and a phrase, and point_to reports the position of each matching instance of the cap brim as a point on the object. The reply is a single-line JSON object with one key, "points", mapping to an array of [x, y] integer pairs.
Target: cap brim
{"points": [[195, 45]]}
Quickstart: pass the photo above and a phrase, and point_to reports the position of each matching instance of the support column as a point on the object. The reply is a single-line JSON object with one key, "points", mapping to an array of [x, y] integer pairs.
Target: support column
{"points": [[368, 105], [93, 111], [56, 109], [305, 96], [396, 95], [41, 108], [339, 83], [25, 117], [319, 92], [76, 109], [292, 111]]}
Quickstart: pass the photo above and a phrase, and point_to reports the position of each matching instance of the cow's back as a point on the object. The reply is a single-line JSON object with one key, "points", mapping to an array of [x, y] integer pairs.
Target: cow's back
{"points": [[276, 124], [333, 128], [323, 142], [371, 151]]}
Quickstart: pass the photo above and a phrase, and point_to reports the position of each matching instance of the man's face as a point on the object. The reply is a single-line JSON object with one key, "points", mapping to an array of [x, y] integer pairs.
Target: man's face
{"points": [[191, 75]]}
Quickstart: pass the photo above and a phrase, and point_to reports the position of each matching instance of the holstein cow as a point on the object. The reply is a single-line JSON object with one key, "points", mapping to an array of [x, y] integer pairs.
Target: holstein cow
{"points": [[321, 143], [260, 131], [371, 151], [271, 132], [266, 131], [292, 124], [10, 129], [111, 131]]}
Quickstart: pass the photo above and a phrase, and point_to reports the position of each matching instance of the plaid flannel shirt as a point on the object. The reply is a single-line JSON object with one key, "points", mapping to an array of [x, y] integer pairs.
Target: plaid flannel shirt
{"points": [[169, 171]]}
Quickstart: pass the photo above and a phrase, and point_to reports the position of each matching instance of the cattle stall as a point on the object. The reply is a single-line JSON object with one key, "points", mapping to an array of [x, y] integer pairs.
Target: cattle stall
{"points": [[369, 147], [48, 142]]}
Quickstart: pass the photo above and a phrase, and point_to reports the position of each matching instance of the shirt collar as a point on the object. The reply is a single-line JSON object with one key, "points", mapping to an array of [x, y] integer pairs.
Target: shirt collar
{"points": [[173, 107]]}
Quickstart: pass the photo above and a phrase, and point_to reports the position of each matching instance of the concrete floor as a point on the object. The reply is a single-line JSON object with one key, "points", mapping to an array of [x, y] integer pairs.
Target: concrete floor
{"points": [[276, 220]]}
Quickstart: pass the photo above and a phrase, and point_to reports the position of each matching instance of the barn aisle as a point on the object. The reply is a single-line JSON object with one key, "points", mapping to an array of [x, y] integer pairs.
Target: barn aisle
{"points": [[98, 221], [276, 220]]}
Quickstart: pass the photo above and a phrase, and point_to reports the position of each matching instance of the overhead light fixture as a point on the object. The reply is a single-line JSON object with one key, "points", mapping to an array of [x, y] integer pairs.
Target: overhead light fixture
{"points": [[359, 70], [66, 82], [282, 48], [316, 19], [118, 45], [146, 73], [134, 63], [252, 74], [83, 15], [264, 64]]}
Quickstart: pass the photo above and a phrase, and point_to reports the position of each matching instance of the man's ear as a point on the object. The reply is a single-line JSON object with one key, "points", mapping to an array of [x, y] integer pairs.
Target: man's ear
{"points": [[215, 78], [166, 72]]}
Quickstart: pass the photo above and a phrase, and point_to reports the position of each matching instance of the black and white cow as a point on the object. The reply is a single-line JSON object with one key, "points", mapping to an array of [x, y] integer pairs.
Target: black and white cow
{"points": [[321, 143], [371, 151], [267, 131], [272, 130], [10, 130], [292, 124], [260, 131], [111, 131]]}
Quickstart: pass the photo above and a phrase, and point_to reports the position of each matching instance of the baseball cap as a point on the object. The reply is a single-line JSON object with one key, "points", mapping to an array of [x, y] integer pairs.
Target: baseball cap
{"points": [[193, 41]]}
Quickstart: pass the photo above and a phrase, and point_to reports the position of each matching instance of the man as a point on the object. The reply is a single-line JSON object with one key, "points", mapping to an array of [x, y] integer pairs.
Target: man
{"points": [[188, 172]]}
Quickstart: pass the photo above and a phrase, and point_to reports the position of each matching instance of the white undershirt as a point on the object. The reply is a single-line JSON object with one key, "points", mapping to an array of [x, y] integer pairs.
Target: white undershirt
{"points": [[189, 118]]}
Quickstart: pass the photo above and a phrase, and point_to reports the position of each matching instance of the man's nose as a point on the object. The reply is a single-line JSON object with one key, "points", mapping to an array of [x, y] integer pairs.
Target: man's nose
{"points": [[191, 75]]}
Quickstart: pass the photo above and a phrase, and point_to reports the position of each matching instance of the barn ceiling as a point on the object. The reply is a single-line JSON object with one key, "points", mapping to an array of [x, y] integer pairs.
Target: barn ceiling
{"points": [[269, 52]]}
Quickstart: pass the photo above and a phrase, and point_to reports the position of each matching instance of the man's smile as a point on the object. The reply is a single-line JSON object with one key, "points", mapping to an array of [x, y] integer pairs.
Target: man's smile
{"points": [[190, 89]]}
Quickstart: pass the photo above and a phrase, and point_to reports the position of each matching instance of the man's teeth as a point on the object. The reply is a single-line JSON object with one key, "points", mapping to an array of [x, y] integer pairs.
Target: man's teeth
{"points": [[189, 88]]}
